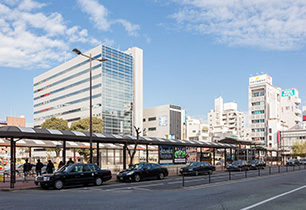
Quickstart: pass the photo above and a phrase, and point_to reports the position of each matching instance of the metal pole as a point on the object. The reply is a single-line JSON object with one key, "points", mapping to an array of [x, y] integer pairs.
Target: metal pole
{"points": [[90, 114], [229, 175], [98, 154], [14, 153], [124, 156], [147, 153], [12, 164], [30, 154], [183, 179], [224, 158], [64, 151], [214, 156]]}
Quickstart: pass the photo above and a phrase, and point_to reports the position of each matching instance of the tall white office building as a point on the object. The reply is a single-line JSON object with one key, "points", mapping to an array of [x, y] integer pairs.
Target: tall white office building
{"points": [[117, 92], [271, 110], [225, 118]]}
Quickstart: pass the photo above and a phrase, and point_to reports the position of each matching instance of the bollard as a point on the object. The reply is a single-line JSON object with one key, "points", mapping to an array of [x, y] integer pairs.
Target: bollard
{"points": [[294, 168], [229, 175], [278, 169], [209, 181], [270, 170], [258, 171], [299, 167], [286, 168], [176, 170], [246, 174], [183, 179]]}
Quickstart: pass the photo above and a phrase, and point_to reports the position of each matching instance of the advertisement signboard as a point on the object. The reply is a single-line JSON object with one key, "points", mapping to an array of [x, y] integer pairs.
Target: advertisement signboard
{"points": [[286, 93], [191, 154], [165, 155], [180, 154], [260, 79]]}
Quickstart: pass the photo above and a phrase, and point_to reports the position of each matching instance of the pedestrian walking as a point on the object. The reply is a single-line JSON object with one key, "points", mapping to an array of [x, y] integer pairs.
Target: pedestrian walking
{"points": [[38, 167], [26, 170], [50, 167], [61, 164], [70, 161]]}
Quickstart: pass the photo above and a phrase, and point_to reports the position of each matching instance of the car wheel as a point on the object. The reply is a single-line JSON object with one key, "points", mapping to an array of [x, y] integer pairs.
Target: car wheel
{"points": [[58, 184], [161, 176], [197, 173], [136, 178], [98, 181]]}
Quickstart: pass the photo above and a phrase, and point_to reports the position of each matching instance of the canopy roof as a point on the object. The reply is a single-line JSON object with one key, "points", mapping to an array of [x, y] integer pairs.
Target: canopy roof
{"points": [[239, 141], [76, 136]]}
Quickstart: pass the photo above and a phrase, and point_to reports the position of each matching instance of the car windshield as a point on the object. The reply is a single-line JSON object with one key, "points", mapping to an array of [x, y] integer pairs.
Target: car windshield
{"points": [[136, 166], [237, 162], [194, 164], [62, 169]]}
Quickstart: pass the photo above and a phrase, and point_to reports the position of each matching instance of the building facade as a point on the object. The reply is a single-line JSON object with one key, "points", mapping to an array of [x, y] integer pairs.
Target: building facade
{"points": [[197, 131], [271, 110], [290, 111], [117, 97], [225, 118], [163, 122]]}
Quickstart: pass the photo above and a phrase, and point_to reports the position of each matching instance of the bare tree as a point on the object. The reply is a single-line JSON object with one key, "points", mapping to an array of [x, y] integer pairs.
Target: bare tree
{"points": [[132, 152]]}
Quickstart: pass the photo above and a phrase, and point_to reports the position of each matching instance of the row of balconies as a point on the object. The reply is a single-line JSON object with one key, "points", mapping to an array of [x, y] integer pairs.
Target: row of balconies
{"points": [[259, 107], [258, 134], [258, 99], [257, 116], [257, 125]]}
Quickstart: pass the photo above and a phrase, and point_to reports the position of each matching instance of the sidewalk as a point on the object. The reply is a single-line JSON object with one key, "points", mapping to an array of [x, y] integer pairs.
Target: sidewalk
{"points": [[18, 185]]}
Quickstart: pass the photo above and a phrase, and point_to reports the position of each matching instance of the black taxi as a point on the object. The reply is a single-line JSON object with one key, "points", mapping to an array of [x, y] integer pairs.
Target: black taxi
{"points": [[74, 174]]}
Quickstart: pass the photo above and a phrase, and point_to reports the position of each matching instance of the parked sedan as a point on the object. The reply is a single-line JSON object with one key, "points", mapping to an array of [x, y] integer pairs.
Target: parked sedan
{"points": [[74, 174], [141, 171], [238, 165], [196, 168], [303, 161], [292, 162], [257, 164]]}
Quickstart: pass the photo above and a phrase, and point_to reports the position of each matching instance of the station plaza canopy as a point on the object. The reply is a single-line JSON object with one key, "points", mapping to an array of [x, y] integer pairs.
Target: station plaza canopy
{"points": [[13, 137], [37, 137]]}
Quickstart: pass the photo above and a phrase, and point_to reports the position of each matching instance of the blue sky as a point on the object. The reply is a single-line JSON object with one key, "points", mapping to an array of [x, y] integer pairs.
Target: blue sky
{"points": [[194, 50]]}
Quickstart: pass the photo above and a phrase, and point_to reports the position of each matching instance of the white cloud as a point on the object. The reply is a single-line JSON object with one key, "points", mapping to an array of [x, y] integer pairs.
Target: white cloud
{"points": [[99, 15], [33, 39], [271, 25], [28, 5]]}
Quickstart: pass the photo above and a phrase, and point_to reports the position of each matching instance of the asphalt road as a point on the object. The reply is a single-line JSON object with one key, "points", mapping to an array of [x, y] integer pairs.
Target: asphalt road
{"points": [[276, 191]]}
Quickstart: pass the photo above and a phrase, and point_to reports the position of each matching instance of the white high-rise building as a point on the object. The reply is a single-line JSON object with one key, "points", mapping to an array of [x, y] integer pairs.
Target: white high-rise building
{"points": [[226, 119], [264, 109], [117, 97], [271, 110]]}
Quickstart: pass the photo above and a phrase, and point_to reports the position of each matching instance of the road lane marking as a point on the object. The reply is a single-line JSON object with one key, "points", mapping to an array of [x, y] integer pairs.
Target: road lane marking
{"points": [[134, 187], [273, 198]]}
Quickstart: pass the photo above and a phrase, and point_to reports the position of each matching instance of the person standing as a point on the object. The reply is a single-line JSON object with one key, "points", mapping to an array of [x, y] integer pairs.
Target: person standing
{"points": [[61, 164], [38, 167], [50, 167], [70, 161], [26, 169]]}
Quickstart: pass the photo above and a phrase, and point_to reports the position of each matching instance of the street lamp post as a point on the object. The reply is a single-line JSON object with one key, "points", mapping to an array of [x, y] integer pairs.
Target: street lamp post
{"points": [[75, 50]]}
